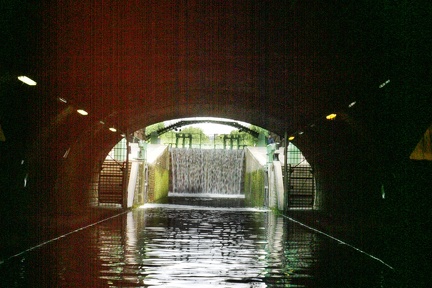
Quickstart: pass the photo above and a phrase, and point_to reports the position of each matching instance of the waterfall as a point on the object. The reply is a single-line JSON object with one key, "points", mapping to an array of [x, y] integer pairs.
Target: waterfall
{"points": [[207, 171]]}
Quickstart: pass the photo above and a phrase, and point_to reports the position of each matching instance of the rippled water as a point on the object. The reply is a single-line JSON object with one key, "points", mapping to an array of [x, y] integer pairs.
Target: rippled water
{"points": [[178, 245]]}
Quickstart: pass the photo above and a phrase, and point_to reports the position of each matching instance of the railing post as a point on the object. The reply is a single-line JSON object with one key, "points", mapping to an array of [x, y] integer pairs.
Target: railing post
{"points": [[286, 180], [126, 174]]}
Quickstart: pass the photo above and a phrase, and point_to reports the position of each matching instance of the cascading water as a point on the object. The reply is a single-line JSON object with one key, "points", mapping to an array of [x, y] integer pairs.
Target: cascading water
{"points": [[207, 171]]}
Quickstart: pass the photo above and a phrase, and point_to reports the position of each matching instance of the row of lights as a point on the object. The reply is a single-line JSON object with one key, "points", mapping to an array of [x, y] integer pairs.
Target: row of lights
{"points": [[83, 112], [333, 116], [330, 117]]}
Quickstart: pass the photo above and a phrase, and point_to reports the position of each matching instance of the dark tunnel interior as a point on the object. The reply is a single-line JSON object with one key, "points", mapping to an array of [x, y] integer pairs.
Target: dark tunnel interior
{"points": [[280, 65]]}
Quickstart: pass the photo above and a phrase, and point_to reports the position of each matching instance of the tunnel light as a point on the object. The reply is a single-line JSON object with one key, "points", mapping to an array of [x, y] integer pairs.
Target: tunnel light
{"points": [[82, 112], [25, 180], [112, 129], [65, 155], [384, 84], [291, 138], [27, 80], [331, 116], [352, 104]]}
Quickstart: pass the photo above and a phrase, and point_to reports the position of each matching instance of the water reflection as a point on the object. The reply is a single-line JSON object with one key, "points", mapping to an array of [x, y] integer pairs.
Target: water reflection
{"points": [[175, 245]]}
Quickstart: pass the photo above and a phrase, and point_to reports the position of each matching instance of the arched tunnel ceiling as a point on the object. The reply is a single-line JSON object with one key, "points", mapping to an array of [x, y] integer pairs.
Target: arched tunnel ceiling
{"points": [[289, 61], [285, 63], [281, 65]]}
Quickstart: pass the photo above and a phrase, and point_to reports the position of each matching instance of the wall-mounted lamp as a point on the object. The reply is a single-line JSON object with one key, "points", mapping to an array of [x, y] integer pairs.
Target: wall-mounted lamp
{"points": [[331, 116], [82, 112], [27, 80]]}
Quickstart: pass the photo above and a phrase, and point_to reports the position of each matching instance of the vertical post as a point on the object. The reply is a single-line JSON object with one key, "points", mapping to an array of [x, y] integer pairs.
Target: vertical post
{"points": [[286, 180], [126, 174]]}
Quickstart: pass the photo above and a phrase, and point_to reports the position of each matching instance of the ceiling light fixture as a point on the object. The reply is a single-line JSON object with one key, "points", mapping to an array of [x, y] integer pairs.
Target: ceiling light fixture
{"points": [[352, 104], [62, 100], [384, 84], [112, 129], [65, 155], [27, 80], [82, 112], [331, 116]]}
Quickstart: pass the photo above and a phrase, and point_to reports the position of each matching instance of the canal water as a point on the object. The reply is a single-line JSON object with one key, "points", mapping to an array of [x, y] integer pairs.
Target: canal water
{"points": [[195, 242]]}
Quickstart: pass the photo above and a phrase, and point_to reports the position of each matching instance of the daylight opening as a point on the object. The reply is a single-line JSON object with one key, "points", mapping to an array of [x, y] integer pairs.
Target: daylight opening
{"points": [[210, 156]]}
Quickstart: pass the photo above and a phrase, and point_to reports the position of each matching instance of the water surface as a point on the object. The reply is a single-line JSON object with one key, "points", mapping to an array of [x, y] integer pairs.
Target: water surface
{"points": [[182, 245]]}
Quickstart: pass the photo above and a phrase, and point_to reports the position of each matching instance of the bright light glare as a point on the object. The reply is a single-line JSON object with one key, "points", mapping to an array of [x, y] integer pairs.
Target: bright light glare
{"points": [[113, 129], [27, 80], [331, 116], [82, 112], [209, 128], [291, 138]]}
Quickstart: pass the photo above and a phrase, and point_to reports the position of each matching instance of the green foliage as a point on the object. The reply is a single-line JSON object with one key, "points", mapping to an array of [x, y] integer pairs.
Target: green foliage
{"points": [[197, 133], [154, 127], [259, 129], [248, 139], [198, 136]]}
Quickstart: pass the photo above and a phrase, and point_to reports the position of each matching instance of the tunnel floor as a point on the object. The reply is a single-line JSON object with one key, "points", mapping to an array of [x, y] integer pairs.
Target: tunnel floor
{"points": [[195, 242]]}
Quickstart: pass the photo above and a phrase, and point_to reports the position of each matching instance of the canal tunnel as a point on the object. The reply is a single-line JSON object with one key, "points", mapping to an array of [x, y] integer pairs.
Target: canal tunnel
{"points": [[281, 65]]}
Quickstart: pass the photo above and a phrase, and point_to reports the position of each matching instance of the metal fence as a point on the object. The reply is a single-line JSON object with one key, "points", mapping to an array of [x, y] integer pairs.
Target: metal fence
{"points": [[301, 187], [197, 140]]}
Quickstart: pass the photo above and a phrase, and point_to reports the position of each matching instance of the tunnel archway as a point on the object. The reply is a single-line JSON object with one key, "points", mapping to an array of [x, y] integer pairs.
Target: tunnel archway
{"points": [[81, 162], [300, 184], [281, 65]]}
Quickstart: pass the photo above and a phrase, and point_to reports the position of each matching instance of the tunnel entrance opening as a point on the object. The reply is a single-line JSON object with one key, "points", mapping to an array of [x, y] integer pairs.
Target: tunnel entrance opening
{"points": [[146, 175]]}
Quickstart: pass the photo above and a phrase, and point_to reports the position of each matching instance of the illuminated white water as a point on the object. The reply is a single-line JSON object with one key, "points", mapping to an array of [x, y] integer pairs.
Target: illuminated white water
{"points": [[207, 171]]}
